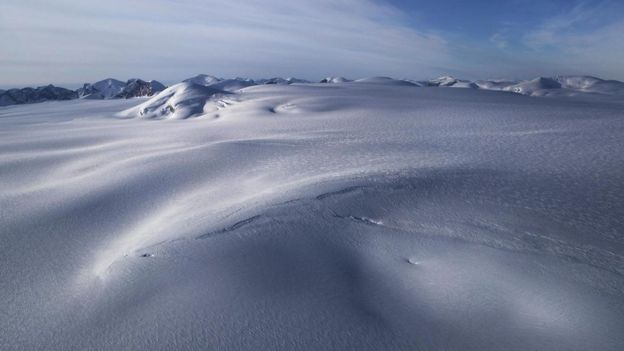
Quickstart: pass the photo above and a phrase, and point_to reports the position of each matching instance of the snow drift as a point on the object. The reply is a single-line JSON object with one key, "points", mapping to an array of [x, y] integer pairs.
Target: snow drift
{"points": [[372, 215]]}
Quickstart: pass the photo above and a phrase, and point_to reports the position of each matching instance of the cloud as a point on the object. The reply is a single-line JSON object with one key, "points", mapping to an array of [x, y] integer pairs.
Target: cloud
{"points": [[584, 40], [499, 40], [74, 41]]}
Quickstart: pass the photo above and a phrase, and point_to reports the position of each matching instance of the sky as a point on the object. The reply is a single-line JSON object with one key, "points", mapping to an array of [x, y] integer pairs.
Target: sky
{"points": [[68, 42]]}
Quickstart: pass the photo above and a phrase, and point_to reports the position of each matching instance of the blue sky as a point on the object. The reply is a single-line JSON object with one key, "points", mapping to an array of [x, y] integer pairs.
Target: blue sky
{"points": [[71, 41]]}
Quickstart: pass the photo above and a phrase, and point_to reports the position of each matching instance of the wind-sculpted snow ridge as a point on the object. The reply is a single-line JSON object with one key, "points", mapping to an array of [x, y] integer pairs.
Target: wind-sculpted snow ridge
{"points": [[370, 215], [180, 101]]}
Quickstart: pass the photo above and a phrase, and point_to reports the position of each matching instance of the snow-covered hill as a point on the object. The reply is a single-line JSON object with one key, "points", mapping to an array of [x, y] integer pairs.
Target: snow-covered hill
{"points": [[179, 101], [203, 79], [560, 86], [373, 215]]}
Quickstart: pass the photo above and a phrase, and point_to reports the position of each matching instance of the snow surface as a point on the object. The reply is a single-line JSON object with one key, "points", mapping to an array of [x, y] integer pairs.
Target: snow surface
{"points": [[371, 215], [180, 101]]}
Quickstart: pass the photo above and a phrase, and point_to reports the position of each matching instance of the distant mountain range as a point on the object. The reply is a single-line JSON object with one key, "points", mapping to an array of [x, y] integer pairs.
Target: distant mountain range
{"points": [[115, 89], [104, 89]]}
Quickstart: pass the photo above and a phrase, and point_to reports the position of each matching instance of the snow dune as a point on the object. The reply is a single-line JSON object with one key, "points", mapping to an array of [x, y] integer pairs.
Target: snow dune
{"points": [[371, 215]]}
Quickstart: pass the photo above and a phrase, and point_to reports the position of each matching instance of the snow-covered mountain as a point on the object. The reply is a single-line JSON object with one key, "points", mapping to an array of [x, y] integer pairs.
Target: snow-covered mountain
{"points": [[449, 81], [139, 88], [335, 80], [88, 91], [114, 89], [497, 84], [109, 88], [33, 95]]}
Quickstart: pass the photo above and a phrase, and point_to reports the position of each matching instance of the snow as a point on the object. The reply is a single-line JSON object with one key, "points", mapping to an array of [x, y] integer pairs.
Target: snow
{"points": [[371, 215], [203, 79], [385, 81], [180, 101]]}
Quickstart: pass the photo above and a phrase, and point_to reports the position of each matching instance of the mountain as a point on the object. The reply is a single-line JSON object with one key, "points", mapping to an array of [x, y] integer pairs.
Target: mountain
{"points": [[88, 91], [538, 86], [449, 81], [495, 84], [179, 101], [444, 81], [334, 80], [33, 95], [138, 88], [109, 87]]}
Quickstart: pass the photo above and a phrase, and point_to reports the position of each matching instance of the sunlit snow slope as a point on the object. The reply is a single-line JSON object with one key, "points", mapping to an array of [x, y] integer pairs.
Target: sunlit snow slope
{"points": [[351, 216]]}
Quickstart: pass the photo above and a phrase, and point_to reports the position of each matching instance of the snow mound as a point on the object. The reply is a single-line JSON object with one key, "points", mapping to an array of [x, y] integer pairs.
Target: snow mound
{"points": [[179, 101], [496, 85], [203, 79], [540, 86], [591, 84], [449, 81]]}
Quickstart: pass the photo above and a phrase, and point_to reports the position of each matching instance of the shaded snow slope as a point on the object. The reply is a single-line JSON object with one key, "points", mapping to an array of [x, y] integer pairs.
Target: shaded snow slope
{"points": [[203, 79], [180, 101], [314, 217], [385, 81], [233, 84]]}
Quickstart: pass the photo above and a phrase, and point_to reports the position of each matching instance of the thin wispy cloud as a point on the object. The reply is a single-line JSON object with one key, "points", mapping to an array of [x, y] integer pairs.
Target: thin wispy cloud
{"points": [[583, 40], [73, 41], [70, 41]]}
